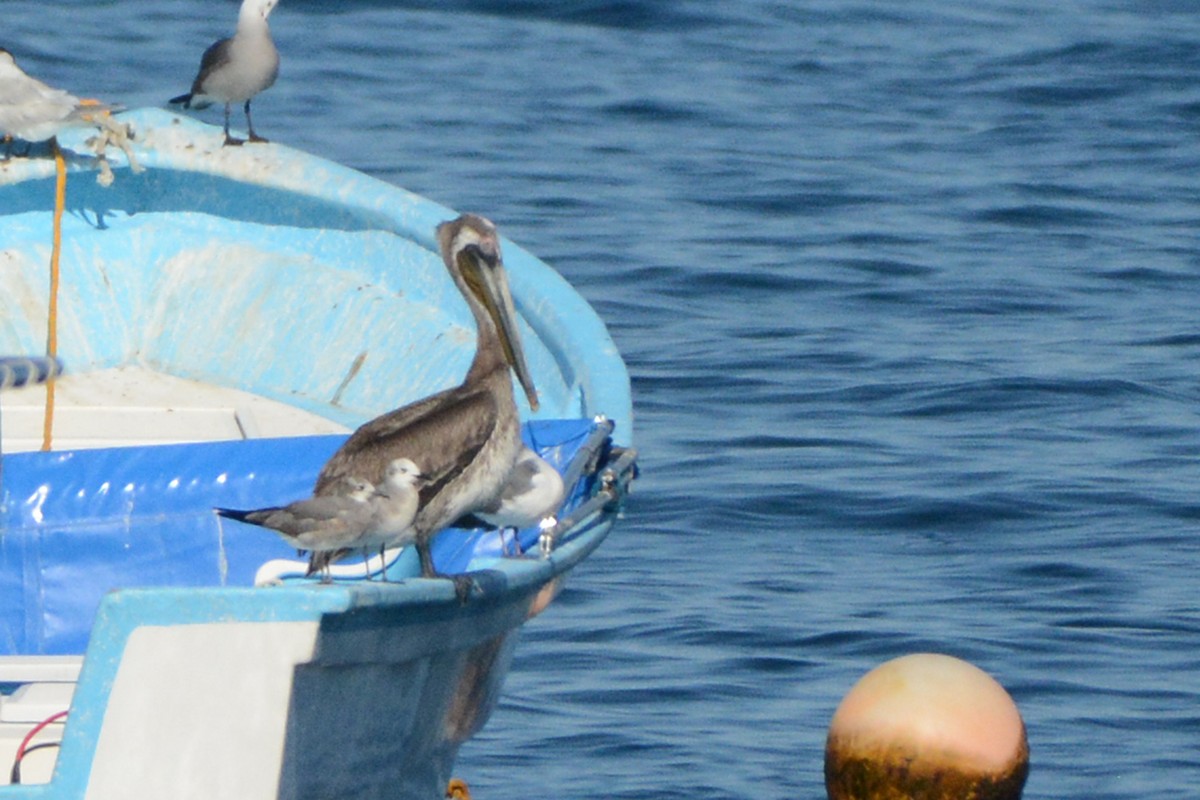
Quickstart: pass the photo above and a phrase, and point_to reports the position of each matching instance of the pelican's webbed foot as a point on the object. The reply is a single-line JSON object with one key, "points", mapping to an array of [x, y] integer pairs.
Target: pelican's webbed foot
{"points": [[463, 585]]}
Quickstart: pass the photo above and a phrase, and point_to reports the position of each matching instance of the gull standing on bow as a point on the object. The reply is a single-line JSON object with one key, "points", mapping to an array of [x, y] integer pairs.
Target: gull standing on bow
{"points": [[395, 504], [356, 515], [467, 438], [334, 520], [34, 112], [236, 69], [532, 495]]}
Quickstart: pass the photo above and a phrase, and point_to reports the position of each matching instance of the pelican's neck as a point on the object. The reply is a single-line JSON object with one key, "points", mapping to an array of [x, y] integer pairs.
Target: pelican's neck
{"points": [[489, 352]]}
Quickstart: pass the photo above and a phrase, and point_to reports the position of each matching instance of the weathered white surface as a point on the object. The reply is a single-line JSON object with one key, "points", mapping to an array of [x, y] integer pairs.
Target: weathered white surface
{"points": [[200, 711], [43, 669], [34, 702], [134, 406]]}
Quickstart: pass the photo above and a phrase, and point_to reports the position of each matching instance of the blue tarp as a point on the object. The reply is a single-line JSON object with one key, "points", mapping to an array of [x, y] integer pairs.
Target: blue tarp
{"points": [[77, 524]]}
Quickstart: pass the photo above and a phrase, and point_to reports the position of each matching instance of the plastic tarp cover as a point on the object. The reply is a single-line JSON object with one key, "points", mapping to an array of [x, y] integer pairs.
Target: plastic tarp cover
{"points": [[75, 525]]}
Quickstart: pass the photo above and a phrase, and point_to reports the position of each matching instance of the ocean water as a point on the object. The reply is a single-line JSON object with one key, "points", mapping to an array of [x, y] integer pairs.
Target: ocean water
{"points": [[908, 293]]}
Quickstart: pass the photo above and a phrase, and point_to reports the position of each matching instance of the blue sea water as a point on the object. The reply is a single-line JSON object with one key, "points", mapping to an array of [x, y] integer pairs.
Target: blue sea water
{"points": [[908, 294]]}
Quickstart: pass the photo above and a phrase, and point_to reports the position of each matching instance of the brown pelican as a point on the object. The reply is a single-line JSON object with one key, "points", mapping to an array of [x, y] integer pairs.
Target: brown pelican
{"points": [[467, 438], [357, 515], [236, 69]]}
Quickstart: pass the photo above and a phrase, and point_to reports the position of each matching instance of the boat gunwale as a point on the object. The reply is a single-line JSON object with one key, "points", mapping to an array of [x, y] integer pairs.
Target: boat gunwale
{"points": [[125, 610]]}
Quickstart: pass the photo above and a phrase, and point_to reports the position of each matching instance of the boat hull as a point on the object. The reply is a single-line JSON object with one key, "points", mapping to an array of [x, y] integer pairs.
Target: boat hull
{"points": [[365, 691], [275, 275], [360, 687]]}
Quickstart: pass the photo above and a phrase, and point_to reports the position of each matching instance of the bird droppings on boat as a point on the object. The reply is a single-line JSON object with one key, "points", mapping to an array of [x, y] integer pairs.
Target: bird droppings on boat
{"points": [[265, 342], [236, 69], [192, 147], [926, 727]]}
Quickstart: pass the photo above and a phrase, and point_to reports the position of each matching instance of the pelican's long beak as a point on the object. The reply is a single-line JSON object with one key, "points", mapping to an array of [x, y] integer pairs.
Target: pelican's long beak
{"points": [[485, 274]]}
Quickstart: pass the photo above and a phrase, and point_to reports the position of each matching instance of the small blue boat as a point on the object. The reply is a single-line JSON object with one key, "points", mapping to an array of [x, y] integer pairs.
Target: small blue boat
{"points": [[224, 318]]}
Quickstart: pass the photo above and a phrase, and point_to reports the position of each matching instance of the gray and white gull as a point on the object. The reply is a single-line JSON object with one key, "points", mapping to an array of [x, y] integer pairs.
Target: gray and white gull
{"points": [[358, 515], [531, 496], [236, 69]]}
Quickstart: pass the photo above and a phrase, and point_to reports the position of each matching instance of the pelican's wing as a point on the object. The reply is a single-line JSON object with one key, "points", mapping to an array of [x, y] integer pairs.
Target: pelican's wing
{"points": [[441, 434]]}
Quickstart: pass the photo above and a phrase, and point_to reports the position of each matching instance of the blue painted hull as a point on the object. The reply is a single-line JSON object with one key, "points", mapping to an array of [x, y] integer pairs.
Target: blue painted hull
{"points": [[296, 279]]}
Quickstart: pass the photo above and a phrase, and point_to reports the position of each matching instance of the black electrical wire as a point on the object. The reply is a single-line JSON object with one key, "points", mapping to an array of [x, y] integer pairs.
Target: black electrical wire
{"points": [[15, 775]]}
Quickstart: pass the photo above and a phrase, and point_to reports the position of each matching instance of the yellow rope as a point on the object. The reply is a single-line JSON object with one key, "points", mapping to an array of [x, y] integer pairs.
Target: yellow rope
{"points": [[60, 201]]}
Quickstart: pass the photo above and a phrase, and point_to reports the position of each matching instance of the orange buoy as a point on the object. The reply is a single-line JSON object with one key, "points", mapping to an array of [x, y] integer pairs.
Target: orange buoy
{"points": [[926, 727], [457, 789]]}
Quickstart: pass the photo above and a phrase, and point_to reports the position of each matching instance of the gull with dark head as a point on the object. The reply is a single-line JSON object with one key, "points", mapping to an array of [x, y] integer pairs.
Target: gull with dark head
{"points": [[235, 69], [34, 112], [467, 439]]}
